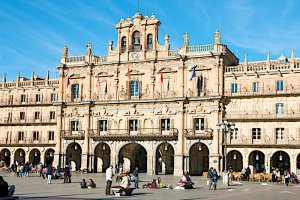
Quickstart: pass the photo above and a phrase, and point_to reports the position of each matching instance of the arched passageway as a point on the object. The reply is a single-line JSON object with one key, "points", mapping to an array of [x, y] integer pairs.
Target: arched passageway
{"points": [[102, 157], [5, 157], [49, 157], [235, 161], [133, 155], [257, 161], [19, 156], [280, 160], [199, 159], [34, 157], [74, 152], [164, 159]]}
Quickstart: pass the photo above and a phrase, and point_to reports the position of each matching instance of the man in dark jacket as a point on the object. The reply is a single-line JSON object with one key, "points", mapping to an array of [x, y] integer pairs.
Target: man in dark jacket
{"points": [[49, 174], [26, 169], [67, 175], [136, 177]]}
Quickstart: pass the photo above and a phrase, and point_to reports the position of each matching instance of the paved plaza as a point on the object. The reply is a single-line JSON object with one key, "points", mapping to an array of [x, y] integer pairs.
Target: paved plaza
{"points": [[35, 187]]}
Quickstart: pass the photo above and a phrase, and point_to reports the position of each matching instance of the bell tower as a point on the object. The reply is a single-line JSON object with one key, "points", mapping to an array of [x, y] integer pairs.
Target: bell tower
{"points": [[137, 37]]}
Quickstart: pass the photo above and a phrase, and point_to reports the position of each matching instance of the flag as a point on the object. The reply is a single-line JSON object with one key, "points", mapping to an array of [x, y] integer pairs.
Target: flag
{"points": [[161, 77], [67, 81], [193, 74], [128, 73]]}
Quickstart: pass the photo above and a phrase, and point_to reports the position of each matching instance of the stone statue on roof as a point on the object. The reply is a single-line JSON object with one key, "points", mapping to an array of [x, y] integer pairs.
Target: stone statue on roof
{"points": [[65, 51], [89, 49], [186, 40]]}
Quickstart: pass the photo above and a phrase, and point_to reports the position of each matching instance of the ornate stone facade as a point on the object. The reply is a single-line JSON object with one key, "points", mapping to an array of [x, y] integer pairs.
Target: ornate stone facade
{"points": [[144, 105]]}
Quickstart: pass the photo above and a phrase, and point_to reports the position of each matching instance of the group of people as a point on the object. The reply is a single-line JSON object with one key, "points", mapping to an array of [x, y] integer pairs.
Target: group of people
{"points": [[125, 178], [186, 181], [20, 169], [212, 178], [246, 173], [89, 185]]}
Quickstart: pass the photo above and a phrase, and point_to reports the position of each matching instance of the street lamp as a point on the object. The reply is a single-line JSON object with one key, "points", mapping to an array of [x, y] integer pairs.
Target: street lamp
{"points": [[225, 126]]}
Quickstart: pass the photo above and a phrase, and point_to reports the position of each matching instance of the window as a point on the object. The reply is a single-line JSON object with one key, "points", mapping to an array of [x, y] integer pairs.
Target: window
{"points": [[279, 133], [279, 85], [255, 86], [134, 88], [234, 134], [199, 124], [75, 91], [74, 125], [136, 41], [51, 135], [234, 87], [165, 124], [150, 42], [52, 114], [133, 124], [279, 108], [53, 96], [23, 98], [22, 115], [20, 135], [103, 125], [256, 133], [123, 44], [37, 98], [200, 84], [36, 115], [35, 135]]}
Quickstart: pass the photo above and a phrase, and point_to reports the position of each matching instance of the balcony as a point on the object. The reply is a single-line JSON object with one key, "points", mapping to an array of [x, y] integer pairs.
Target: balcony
{"points": [[73, 135], [262, 116], [135, 48], [142, 134], [245, 92], [262, 142], [8, 142], [192, 134], [26, 121], [27, 102]]}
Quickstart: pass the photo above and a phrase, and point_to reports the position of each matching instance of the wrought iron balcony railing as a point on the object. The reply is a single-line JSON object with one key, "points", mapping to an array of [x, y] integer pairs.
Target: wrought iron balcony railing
{"points": [[205, 134]]}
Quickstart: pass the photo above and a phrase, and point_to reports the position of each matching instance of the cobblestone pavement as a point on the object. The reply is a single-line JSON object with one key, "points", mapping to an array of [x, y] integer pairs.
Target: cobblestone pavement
{"points": [[34, 187]]}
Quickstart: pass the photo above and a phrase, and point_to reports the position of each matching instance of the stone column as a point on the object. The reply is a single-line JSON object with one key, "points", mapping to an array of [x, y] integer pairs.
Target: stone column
{"points": [[293, 164], [151, 164], [178, 157], [267, 163], [58, 138], [85, 146]]}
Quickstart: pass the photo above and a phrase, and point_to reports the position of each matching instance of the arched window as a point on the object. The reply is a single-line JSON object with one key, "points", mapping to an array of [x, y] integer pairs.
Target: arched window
{"points": [[123, 44], [136, 41], [149, 42]]}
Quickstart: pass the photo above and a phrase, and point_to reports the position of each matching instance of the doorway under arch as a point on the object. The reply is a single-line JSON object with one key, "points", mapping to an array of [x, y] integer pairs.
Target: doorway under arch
{"points": [[34, 157], [49, 157], [235, 161], [102, 157], [257, 161], [74, 152], [281, 161], [164, 159], [199, 159], [133, 155], [19, 156], [5, 156]]}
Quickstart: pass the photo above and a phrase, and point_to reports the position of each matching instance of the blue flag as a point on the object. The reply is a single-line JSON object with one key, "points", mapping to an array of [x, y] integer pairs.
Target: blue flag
{"points": [[193, 74]]}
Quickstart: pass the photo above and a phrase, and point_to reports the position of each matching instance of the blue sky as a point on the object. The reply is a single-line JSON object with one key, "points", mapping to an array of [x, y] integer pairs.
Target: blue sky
{"points": [[33, 32]]}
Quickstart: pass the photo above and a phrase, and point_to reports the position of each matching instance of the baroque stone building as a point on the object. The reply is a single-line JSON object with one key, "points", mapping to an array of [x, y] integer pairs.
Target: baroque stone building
{"points": [[145, 105]]}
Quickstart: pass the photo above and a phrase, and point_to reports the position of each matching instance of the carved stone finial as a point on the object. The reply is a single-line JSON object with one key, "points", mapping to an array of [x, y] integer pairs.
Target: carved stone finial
{"points": [[246, 59], [32, 75], [186, 40], [89, 49], [166, 37], [4, 77], [110, 45], [128, 19], [122, 19], [65, 51], [153, 16], [292, 55], [47, 75], [217, 37]]}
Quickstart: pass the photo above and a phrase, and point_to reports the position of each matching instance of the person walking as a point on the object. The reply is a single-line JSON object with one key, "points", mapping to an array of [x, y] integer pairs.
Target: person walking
{"points": [[67, 174], [26, 169], [49, 174], [215, 178], [109, 176], [286, 177], [136, 177], [209, 178]]}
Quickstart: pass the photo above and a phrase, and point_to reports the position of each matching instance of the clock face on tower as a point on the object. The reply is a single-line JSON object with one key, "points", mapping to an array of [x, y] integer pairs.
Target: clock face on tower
{"points": [[135, 56]]}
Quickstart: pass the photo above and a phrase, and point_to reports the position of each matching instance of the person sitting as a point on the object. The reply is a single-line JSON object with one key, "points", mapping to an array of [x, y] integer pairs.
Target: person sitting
{"points": [[83, 184], [58, 174], [183, 180], [125, 181], [153, 184], [92, 184], [4, 189]]}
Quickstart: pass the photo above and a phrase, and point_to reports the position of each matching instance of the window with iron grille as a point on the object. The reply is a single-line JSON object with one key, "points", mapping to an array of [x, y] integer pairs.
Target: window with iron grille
{"points": [[133, 125], [199, 124], [103, 125], [165, 124]]}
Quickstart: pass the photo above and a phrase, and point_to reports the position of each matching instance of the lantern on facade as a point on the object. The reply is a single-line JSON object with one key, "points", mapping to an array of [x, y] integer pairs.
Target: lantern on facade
{"points": [[166, 147], [103, 147], [6, 153], [257, 156], [35, 154], [75, 147], [280, 157], [51, 154], [21, 154], [200, 148], [234, 156]]}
